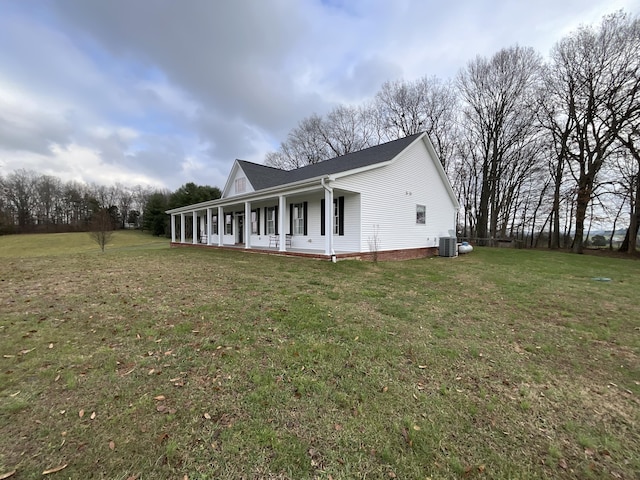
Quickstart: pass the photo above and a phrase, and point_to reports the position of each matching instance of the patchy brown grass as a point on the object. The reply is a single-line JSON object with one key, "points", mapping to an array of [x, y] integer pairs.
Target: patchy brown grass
{"points": [[160, 363]]}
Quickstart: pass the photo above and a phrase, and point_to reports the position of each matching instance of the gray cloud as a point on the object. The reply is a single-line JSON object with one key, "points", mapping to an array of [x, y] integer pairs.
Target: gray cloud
{"points": [[168, 92]]}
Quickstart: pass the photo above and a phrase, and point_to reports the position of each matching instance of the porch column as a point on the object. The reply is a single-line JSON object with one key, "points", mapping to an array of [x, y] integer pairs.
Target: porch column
{"points": [[173, 228], [209, 229], [247, 224], [282, 205], [328, 221], [220, 225], [194, 228], [182, 222]]}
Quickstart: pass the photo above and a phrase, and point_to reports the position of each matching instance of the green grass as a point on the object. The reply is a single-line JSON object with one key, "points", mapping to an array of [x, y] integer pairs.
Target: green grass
{"points": [[225, 364]]}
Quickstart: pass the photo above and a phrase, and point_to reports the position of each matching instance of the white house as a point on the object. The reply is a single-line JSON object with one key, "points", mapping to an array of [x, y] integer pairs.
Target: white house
{"points": [[392, 200]]}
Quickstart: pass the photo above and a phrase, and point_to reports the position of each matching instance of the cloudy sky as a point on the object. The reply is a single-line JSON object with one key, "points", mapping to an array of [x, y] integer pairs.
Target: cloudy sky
{"points": [[163, 92]]}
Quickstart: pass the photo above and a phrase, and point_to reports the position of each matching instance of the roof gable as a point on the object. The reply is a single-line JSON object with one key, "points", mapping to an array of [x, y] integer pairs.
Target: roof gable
{"points": [[237, 172]]}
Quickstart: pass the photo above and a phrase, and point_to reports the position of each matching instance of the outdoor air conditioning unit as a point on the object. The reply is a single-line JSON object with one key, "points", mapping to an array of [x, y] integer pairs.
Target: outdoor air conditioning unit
{"points": [[448, 246]]}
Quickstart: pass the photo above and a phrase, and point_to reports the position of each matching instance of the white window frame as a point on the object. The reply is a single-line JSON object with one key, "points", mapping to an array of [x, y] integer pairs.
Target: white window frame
{"points": [[228, 224], [421, 214], [241, 185], [270, 221], [298, 219], [254, 222], [214, 224]]}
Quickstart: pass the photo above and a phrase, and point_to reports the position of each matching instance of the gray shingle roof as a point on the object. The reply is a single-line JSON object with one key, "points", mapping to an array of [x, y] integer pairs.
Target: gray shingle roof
{"points": [[261, 176]]}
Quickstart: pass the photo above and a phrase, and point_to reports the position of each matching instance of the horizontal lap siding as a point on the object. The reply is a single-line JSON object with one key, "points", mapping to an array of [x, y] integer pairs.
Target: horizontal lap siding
{"points": [[388, 200], [350, 241]]}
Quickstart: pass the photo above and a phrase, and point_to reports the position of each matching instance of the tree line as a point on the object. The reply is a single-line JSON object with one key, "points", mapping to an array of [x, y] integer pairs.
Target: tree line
{"points": [[31, 202], [537, 151]]}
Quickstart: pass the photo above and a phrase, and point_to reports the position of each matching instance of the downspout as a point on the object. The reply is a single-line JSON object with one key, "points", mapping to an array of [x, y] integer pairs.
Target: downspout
{"points": [[328, 209]]}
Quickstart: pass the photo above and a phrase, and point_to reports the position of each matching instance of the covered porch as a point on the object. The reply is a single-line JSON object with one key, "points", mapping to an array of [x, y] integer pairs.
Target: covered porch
{"points": [[292, 222]]}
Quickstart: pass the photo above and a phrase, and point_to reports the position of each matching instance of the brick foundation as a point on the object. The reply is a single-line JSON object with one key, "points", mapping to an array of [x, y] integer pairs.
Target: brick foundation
{"points": [[383, 256]]}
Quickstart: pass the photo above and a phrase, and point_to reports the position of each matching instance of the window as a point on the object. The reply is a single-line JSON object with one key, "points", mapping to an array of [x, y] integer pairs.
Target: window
{"points": [[298, 219], [338, 216], [271, 221], [421, 214], [241, 185], [255, 222], [228, 224], [214, 224]]}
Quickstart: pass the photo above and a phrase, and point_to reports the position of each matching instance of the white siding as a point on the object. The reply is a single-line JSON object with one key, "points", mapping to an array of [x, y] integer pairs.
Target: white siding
{"points": [[230, 187], [349, 242], [388, 200]]}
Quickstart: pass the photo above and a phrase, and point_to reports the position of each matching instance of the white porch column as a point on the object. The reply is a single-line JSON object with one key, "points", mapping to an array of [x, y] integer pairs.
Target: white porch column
{"points": [[209, 229], [328, 221], [220, 225], [247, 224], [182, 222], [173, 228], [194, 228], [282, 205]]}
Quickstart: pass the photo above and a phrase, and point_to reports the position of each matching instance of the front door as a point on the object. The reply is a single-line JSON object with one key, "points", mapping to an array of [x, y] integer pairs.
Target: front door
{"points": [[240, 229]]}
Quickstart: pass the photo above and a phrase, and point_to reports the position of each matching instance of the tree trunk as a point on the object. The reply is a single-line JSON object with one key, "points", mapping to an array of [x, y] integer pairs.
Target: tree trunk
{"points": [[630, 239], [582, 203]]}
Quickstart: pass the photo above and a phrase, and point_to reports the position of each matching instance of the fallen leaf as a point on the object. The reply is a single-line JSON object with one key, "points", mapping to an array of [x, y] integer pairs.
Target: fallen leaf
{"points": [[93, 415], [481, 468], [338, 427], [7, 475], [162, 437], [589, 451], [207, 416], [392, 475], [151, 372], [385, 388], [112, 445], [54, 470], [562, 463], [81, 413], [15, 394], [416, 427], [161, 408], [422, 366], [159, 397], [51, 345]]}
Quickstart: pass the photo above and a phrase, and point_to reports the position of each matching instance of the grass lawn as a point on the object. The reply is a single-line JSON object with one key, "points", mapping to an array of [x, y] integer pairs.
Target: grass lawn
{"points": [[146, 362]]}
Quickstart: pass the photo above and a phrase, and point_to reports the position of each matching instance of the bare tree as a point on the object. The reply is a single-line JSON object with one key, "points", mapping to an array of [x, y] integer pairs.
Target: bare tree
{"points": [[598, 77], [425, 105], [498, 115], [101, 227]]}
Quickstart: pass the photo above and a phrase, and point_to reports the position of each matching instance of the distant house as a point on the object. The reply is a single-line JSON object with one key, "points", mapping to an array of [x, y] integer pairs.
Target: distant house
{"points": [[392, 200]]}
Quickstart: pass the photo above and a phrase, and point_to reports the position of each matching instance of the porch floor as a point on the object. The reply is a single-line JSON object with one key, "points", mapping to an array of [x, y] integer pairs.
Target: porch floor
{"points": [[291, 251]]}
